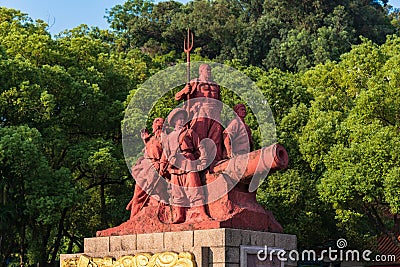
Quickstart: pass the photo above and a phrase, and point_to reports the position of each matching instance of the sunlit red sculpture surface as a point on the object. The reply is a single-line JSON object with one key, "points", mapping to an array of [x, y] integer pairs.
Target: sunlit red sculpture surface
{"points": [[197, 174]]}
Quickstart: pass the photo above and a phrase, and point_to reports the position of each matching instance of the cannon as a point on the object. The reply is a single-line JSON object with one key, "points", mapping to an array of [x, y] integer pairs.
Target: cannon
{"points": [[254, 164], [231, 189]]}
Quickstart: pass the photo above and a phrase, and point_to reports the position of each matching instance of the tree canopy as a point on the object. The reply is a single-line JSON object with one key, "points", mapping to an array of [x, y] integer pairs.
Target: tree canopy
{"points": [[287, 34]]}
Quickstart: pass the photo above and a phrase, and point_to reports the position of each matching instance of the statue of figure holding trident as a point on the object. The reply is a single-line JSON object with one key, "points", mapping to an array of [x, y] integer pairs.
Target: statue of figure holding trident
{"points": [[187, 47], [205, 105]]}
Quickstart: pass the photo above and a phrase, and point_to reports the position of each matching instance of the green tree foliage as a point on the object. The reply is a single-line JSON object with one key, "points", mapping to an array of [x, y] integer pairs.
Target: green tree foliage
{"points": [[288, 34], [339, 123], [35, 197], [352, 136], [291, 194]]}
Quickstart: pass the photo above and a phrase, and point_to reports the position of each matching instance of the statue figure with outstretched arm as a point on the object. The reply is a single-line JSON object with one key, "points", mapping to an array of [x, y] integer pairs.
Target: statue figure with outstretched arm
{"points": [[146, 170]]}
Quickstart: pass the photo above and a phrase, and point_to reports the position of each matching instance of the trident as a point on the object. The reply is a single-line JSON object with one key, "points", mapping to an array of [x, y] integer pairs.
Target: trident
{"points": [[187, 47]]}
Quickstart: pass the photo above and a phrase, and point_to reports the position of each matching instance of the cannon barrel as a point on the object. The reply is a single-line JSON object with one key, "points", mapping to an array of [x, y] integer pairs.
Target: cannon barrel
{"points": [[244, 167]]}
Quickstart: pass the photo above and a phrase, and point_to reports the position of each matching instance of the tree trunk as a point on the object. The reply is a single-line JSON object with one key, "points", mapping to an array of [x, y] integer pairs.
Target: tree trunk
{"points": [[59, 237], [44, 255], [22, 247], [70, 245], [103, 203]]}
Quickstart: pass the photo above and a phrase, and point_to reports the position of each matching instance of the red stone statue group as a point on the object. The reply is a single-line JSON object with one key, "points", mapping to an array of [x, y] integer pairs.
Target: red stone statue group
{"points": [[174, 177]]}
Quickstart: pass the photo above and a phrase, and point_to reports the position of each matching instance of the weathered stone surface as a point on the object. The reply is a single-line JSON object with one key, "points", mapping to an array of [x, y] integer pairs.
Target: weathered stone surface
{"points": [[123, 243], [149, 242], [97, 244], [207, 238], [235, 237], [179, 240], [224, 255], [287, 242], [201, 255], [263, 239]]}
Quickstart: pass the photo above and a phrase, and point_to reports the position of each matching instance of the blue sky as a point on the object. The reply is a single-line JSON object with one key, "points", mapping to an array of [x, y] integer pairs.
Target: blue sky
{"points": [[61, 14]]}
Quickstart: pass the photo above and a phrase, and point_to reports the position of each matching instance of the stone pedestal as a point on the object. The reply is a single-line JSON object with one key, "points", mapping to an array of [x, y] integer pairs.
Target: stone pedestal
{"points": [[213, 247]]}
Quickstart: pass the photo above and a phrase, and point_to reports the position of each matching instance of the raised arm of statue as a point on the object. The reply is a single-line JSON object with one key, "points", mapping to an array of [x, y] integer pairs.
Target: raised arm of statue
{"points": [[144, 134], [184, 92]]}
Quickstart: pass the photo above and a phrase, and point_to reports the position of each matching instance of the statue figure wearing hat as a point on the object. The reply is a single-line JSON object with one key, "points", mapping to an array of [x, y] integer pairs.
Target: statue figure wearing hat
{"points": [[185, 156]]}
